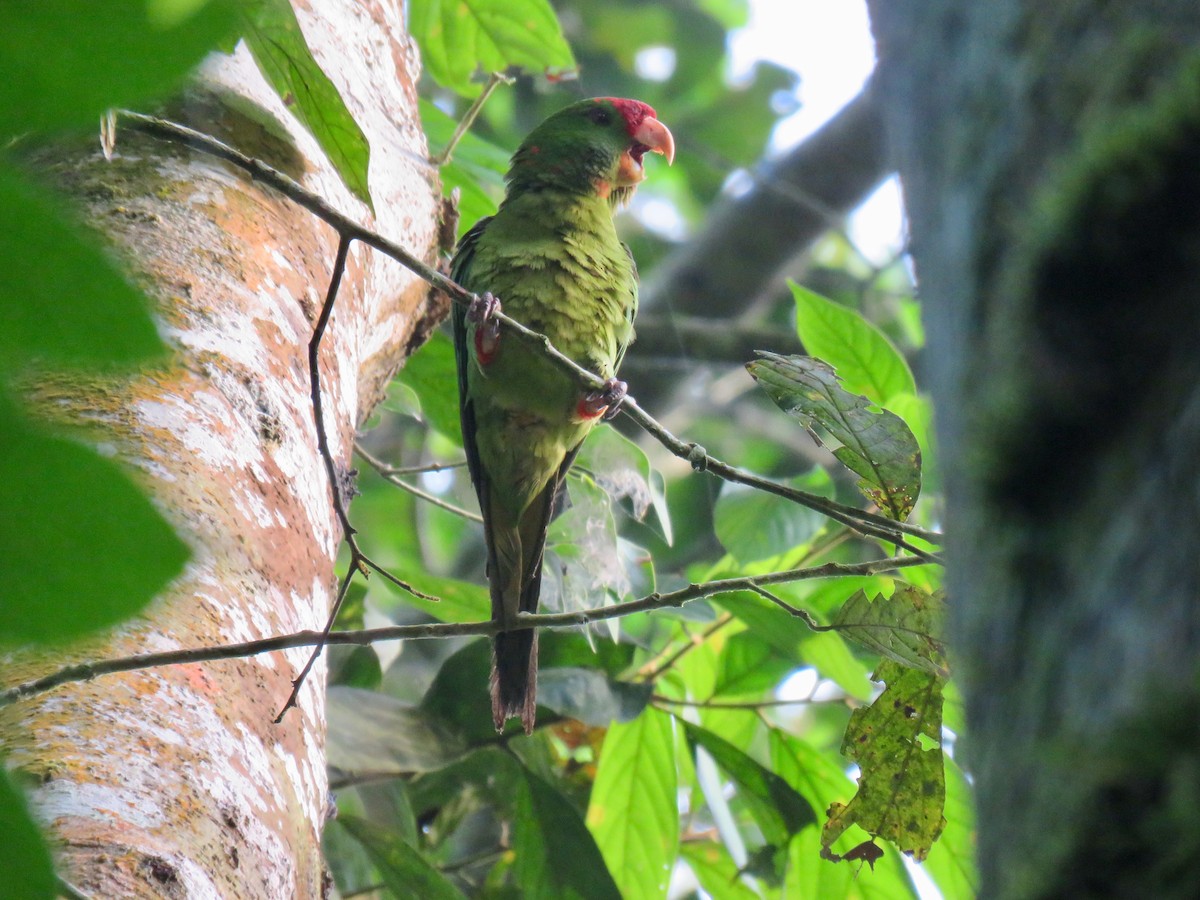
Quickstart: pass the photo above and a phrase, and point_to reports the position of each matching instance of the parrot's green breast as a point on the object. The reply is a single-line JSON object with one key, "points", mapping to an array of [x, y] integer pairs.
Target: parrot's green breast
{"points": [[557, 266]]}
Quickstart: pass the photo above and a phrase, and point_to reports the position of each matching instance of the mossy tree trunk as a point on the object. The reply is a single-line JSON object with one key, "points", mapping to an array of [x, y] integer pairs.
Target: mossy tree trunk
{"points": [[174, 781], [1051, 160]]}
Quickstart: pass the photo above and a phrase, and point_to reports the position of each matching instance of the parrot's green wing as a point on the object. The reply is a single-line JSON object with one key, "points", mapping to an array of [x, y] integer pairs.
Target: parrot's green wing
{"points": [[460, 271]]}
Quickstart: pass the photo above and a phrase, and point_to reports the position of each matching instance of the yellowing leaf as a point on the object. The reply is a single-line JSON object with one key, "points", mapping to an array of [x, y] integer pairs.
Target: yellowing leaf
{"points": [[902, 786]]}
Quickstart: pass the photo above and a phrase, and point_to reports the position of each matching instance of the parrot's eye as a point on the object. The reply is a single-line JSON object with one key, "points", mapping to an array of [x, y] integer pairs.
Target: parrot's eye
{"points": [[600, 115]]}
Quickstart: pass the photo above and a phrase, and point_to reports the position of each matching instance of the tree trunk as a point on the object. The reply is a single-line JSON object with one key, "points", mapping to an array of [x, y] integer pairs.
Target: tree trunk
{"points": [[1050, 159], [174, 781]]}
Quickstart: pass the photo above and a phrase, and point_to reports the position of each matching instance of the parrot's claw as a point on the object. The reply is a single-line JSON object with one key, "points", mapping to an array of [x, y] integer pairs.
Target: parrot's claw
{"points": [[605, 402], [482, 312], [483, 308]]}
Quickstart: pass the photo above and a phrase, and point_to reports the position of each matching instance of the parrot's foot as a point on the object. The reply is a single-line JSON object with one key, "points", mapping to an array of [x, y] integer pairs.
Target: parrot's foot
{"points": [[482, 312], [604, 402]]}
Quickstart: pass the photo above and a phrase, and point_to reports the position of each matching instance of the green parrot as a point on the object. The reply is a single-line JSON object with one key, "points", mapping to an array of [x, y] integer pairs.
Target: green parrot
{"points": [[551, 252]]}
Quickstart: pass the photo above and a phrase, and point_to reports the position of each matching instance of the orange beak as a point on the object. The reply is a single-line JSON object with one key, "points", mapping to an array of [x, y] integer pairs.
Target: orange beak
{"points": [[655, 136], [650, 135]]}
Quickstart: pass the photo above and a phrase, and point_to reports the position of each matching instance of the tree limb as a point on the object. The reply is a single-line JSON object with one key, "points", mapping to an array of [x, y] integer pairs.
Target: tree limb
{"points": [[750, 239]]}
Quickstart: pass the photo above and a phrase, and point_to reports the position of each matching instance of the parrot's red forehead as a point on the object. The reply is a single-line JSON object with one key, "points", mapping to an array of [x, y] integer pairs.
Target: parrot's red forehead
{"points": [[633, 111]]}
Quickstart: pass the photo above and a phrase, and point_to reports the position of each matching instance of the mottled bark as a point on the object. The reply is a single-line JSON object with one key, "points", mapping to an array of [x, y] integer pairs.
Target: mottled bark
{"points": [[1051, 161], [174, 782]]}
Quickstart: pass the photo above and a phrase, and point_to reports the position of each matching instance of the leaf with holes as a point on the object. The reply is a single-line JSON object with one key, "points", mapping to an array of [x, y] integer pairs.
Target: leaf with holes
{"points": [[906, 628], [873, 443], [896, 742]]}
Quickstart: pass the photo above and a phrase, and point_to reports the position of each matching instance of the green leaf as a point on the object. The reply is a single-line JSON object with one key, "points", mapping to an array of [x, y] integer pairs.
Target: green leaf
{"points": [[476, 169], [866, 361], [753, 525], [590, 696], [557, 859], [458, 601], [404, 870], [951, 861], [64, 62], [78, 312], [832, 657], [749, 665], [278, 46], [906, 628], [901, 788], [623, 470], [825, 651], [433, 374], [459, 693], [777, 808], [28, 870], [373, 733], [459, 37], [716, 871], [357, 667], [73, 527], [633, 808], [876, 445]]}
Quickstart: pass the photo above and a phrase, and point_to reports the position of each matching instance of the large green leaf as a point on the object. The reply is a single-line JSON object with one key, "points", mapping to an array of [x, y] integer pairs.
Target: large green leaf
{"points": [[557, 858], [64, 62], [433, 374], [907, 627], [477, 167], [75, 535], [776, 806], [373, 733], [866, 361], [590, 696], [896, 742], [278, 46], [749, 665], [633, 809], [951, 861], [404, 870], [459, 37], [28, 872], [716, 871], [753, 525], [62, 301], [459, 693], [874, 444]]}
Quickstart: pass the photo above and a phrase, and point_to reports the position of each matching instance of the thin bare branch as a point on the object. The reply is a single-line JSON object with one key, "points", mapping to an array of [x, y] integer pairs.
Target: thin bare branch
{"points": [[391, 475], [494, 81], [89, 670]]}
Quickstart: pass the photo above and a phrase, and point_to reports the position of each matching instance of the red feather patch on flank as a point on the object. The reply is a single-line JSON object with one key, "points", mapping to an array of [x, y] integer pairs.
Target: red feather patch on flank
{"points": [[485, 346], [633, 111], [584, 411]]}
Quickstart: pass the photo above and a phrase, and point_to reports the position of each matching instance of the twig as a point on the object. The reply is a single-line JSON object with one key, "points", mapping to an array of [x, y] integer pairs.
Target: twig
{"points": [[747, 704], [359, 561], [90, 670], [494, 81], [390, 474], [694, 641]]}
